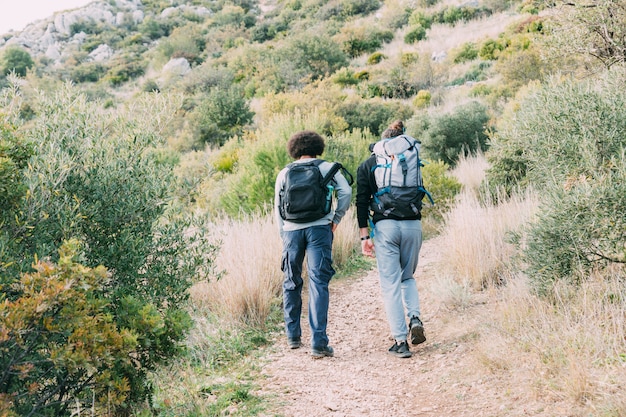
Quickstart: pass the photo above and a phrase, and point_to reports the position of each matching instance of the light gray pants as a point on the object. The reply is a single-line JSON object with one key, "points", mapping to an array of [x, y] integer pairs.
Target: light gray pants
{"points": [[398, 244]]}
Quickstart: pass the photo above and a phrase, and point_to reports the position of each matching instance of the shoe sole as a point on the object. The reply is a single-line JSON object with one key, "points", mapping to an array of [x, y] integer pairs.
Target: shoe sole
{"points": [[317, 354], [294, 345], [417, 335], [401, 355]]}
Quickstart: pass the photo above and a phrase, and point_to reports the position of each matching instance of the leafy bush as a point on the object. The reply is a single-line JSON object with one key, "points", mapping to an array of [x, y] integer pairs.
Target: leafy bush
{"points": [[416, 34], [186, 41], [419, 18], [376, 58], [97, 176], [422, 99], [409, 58], [314, 56], [344, 9], [490, 49], [457, 133], [221, 114], [154, 29], [14, 155], [399, 82], [363, 39], [124, 69], [442, 186], [520, 68], [372, 115], [251, 187], [15, 59], [87, 72], [477, 72], [345, 77], [568, 140], [453, 14], [60, 347], [467, 52]]}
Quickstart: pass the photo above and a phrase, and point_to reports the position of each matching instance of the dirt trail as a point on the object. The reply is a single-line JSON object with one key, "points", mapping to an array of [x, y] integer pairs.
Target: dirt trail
{"points": [[443, 378]]}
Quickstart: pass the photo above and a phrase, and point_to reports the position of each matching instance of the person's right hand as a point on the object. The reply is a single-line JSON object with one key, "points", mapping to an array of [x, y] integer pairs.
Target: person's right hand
{"points": [[367, 247]]}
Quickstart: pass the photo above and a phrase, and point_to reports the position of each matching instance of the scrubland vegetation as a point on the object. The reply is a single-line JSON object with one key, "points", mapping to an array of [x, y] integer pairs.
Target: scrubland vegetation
{"points": [[139, 259]]}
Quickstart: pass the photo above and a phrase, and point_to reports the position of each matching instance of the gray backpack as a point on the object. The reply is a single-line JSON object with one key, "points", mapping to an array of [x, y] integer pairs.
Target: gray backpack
{"points": [[398, 177]]}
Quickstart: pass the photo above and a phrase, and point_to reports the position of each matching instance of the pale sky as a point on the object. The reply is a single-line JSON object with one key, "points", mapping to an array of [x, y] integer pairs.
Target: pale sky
{"points": [[16, 14]]}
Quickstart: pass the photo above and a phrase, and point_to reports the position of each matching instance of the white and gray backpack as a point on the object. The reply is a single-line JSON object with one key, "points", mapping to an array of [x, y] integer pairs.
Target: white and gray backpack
{"points": [[398, 177]]}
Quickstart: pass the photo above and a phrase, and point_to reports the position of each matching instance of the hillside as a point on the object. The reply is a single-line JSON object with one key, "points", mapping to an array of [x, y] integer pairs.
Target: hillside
{"points": [[139, 259]]}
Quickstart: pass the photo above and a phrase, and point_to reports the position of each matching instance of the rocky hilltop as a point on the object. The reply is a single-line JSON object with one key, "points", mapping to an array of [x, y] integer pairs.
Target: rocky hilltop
{"points": [[58, 35]]}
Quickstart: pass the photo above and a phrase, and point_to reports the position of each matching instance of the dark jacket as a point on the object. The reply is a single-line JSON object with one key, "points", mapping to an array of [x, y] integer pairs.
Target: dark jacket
{"points": [[365, 189]]}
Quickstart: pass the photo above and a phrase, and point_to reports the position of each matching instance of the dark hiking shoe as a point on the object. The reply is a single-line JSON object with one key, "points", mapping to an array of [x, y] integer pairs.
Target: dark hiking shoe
{"points": [[294, 342], [416, 331], [401, 350], [321, 352]]}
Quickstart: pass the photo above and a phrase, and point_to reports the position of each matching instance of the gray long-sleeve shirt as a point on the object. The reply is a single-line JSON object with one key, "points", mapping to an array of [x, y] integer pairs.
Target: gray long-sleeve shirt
{"points": [[343, 193]]}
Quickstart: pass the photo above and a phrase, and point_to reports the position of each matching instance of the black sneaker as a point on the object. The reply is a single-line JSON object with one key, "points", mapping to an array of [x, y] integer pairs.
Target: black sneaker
{"points": [[321, 352], [294, 342], [416, 330], [401, 350]]}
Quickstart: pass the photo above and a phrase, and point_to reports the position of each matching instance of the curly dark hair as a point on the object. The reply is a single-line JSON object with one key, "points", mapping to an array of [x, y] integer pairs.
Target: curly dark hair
{"points": [[395, 129], [305, 142]]}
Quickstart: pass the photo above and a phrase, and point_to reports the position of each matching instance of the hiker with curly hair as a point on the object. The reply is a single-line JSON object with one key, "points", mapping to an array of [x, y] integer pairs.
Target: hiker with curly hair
{"points": [[307, 221]]}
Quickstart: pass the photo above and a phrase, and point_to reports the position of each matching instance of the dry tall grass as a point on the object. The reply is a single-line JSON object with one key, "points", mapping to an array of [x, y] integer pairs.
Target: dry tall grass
{"points": [[249, 261], [573, 343], [566, 348], [477, 232]]}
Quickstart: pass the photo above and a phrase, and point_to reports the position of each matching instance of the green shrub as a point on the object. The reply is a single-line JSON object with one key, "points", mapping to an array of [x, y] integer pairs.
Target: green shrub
{"points": [[98, 176], [345, 77], [221, 114], [409, 58], [398, 83], [314, 56], [419, 18], [372, 115], [477, 72], [15, 59], [125, 69], [567, 139], [154, 29], [87, 72], [89, 27], [415, 35], [344, 9], [186, 42], [14, 155], [422, 99], [251, 187], [442, 186], [520, 68], [376, 58], [467, 52], [457, 133], [363, 39], [61, 348], [490, 49]]}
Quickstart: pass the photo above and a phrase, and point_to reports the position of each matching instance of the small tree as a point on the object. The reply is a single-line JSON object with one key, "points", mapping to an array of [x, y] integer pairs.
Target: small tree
{"points": [[461, 132], [221, 114], [16, 59], [59, 346], [567, 139]]}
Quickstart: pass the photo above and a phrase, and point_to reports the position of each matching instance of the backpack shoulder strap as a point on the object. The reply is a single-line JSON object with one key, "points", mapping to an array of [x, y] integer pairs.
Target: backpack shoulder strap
{"points": [[331, 173]]}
